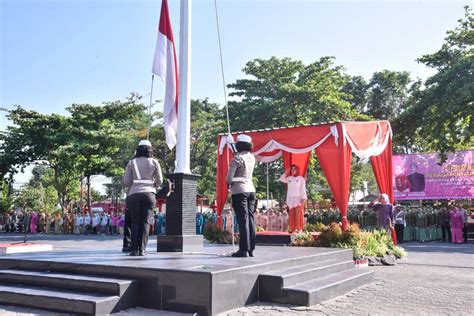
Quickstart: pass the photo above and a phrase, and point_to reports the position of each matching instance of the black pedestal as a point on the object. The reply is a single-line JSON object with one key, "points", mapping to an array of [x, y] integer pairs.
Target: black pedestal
{"points": [[181, 217]]}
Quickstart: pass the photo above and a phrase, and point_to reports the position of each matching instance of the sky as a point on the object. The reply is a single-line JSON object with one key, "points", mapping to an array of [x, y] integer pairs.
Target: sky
{"points": [[55, 53]]}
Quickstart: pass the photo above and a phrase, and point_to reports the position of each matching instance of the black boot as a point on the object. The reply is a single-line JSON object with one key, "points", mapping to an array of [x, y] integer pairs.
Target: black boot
{"points": [[240, 254]]}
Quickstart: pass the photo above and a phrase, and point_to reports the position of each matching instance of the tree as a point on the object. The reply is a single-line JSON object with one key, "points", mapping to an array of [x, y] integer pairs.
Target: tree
{"points": [[440, 117], [37, 197], [30, 138], [98, 134], [207, 121], [93, 140], [356, 92], [387, 94], [6, 200], [39, 137], [285, 92]]}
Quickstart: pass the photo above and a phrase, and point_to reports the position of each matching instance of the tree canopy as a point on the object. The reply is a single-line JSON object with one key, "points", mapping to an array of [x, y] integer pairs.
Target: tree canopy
{"points": [[440, 116]]}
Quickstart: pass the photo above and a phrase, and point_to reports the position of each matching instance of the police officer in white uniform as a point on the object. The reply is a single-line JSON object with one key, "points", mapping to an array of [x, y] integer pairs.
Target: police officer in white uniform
{"points": [[239, 177], [142, 177]]}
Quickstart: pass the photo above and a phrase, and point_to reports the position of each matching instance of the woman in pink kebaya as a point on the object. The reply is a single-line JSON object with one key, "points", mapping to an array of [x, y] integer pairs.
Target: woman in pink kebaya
{"points": [[456, 220]]}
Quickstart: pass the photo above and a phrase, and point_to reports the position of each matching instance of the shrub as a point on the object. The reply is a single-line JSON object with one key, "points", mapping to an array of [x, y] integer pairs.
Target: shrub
{"points": [[371, 245], [333, 236], [215, 234], [316, 227], [363, 244], [303, 239], [399, 252]]}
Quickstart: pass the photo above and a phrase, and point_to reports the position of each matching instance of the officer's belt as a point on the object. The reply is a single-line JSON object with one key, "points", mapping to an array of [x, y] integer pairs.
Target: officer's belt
{"points": [[144, 181], [240, 179]]}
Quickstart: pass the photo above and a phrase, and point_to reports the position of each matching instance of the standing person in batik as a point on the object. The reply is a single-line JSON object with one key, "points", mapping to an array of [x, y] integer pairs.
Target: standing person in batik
{"points": [[285, 221], [33, 222], [296, 197], [58, 222], [384, 210]]}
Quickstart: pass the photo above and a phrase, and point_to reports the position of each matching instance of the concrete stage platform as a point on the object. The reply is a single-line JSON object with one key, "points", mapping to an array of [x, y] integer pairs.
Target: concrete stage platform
{"points": [[8, 249], [104, 280]]}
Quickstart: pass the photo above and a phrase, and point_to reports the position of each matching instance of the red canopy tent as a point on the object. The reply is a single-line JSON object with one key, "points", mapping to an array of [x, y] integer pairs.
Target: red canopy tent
{"points": [[333, 144]]}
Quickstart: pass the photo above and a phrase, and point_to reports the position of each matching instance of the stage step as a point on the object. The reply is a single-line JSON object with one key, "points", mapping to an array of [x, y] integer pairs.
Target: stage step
{"points": [[110, 286], [321, 289], [58, 300], [68, 293], [272, 283]]}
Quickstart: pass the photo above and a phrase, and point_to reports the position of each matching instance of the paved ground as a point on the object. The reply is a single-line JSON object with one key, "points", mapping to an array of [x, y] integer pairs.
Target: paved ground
{"points": [[399, 290], [435, 279]]}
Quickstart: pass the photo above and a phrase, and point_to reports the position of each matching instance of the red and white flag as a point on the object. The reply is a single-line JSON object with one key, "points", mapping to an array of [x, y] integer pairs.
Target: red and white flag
{"points": [[165, 65]]}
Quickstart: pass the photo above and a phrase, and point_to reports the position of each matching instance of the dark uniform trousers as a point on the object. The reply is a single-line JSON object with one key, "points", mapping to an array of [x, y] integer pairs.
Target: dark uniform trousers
{"points": [[127, 227], [141, 209], [446, 231], [399, 231], [244, 207]]}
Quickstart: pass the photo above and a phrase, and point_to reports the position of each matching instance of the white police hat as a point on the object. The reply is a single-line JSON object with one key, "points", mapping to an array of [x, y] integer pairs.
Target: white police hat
{"points": [[144, 142], [244, 138]]}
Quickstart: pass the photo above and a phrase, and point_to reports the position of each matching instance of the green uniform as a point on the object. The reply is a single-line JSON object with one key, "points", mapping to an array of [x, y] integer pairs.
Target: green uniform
{"points": [[421, 226]]}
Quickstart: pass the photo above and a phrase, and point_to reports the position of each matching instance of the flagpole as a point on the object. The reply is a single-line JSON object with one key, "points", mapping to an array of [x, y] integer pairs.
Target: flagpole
{"points": [[184, 97], [149, 108], [181, 204]]}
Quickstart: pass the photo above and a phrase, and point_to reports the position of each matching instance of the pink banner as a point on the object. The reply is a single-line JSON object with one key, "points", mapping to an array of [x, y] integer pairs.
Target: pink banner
{"points": [[419, 177]]}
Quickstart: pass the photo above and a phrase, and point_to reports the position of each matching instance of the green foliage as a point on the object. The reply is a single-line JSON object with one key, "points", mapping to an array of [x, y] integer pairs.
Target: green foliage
{"points": [[398, 252], [31, 137], [37, 197], [355, 89], [316, 227], [98, 134], [440, 116], [373, 244], [215, 234], [304, 239], [387, 94], [207, 121], [333, 236], [6, 200], [363, 244], [285, 92], [90, 141]]}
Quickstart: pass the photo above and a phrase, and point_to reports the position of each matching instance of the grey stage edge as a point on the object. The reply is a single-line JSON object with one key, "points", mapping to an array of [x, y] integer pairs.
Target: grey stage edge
{"points": [[104, 280]]}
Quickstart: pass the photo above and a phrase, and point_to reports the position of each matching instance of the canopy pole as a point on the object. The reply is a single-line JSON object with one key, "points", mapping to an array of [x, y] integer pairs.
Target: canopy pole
{"points": [[268, 188]]}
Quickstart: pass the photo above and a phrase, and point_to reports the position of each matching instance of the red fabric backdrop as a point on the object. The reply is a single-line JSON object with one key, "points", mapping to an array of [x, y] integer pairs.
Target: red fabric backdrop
{"points": [[335, 160], [382, 166], [300, 160], [365, 139]]}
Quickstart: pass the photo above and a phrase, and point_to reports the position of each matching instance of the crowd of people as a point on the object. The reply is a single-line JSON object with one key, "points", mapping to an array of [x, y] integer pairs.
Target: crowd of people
{"points": [[446, 223], [33, 222]]}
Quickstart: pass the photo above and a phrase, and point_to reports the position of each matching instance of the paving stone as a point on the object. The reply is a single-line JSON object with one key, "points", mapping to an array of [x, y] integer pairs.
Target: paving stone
{"points": [[406, 289]]}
